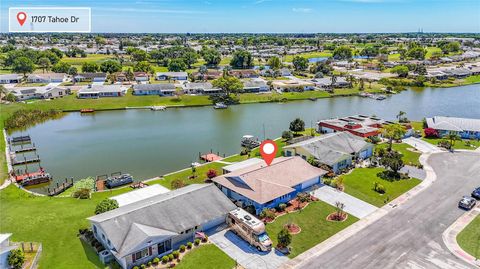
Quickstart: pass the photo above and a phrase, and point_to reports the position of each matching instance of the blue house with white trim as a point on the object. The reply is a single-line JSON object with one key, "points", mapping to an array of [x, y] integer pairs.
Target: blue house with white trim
{"points": [[261, 186], [465, 128]]}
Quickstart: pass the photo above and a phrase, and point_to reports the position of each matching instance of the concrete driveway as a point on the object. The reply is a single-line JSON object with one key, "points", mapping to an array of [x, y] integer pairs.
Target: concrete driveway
{"points": [[414, 172], [353, 205], [246, 255], [411, 235], [53, 84], [421, 145]]}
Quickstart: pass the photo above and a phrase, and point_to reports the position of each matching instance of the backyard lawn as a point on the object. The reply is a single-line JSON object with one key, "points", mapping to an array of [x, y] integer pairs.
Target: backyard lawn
{"points": [[360, 182], [460, 144], [469, 238], [315, 227], [206, 257], [200, 173], [409, 157], [256, 153], [54, 222]]}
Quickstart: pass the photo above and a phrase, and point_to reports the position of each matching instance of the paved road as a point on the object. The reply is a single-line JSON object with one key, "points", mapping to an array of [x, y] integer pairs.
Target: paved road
{"points": [[411, 235]]}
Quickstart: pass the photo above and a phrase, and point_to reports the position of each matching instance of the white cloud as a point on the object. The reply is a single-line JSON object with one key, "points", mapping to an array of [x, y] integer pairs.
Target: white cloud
{"points": [[302, 10]]}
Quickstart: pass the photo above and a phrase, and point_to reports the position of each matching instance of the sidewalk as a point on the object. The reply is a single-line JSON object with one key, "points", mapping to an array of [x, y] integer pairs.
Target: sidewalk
{"points": [[450, 236], [353, 229]]}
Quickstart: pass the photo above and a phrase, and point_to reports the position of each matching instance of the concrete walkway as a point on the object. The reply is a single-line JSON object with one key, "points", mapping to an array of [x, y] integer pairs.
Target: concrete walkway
{"points": [[413, 171], [246, 255], [353, 205], [421, 145], [450, 236]]}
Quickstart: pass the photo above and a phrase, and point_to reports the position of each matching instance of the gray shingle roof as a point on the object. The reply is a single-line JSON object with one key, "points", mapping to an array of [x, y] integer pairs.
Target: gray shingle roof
{"points": [[332, 148], [152, 87], [454, 124], [162, 215]]}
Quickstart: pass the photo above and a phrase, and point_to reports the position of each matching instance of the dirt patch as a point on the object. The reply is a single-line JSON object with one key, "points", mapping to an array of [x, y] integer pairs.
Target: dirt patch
{"points": [[293, 228]]}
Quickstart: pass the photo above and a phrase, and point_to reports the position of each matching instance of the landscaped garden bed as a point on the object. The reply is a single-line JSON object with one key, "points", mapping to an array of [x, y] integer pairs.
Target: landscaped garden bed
{"points": [[315, 228]]}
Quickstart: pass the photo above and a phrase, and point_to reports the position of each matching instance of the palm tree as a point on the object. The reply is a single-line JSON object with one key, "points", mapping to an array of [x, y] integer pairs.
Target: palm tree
{"points": [[452, 137], [400, 115]]}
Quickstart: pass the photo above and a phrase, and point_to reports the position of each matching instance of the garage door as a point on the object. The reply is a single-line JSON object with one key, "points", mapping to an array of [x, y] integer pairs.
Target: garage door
{"points": [[214, 223]]}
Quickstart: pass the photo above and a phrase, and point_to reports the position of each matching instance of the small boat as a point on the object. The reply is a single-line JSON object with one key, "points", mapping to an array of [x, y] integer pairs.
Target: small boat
{"points": [[87, 110], [364, 94], [249, 141], [158, 108], [380, 97], [115, 181], [220, 106], [33, 178], [312, 99]]}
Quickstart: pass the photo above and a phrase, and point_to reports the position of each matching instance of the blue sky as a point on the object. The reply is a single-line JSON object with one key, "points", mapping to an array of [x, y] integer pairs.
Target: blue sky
{"points": [[257, 16]]}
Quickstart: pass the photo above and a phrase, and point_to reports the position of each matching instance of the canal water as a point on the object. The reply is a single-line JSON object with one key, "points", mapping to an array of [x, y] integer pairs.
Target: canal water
{"points": [[148, 143]]}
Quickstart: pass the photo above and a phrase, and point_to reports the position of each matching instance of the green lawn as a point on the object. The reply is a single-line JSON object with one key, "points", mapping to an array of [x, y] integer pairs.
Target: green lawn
{"points": [[206, 257], [312, 221], [462, 144], [91, 58], [360, 181], [473, 79], [409, 157], [54, 222], [256, 153], [469, 238], [185, 174]]}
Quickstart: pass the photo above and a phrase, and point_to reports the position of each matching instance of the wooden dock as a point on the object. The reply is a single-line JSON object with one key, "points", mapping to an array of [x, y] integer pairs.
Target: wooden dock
{"points": [[23, 149], [26, 161], [60, 188], [20, 139]]}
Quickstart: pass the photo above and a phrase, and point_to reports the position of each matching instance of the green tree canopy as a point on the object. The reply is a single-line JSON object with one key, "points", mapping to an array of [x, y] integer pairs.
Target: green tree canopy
{"points": [[275, 63], [400, 70], [111, 66], [297, 125], [300, 63], [23, 65], [61, 67], [229, 84], [90, 67], [105, 205], [241, 59], [176, 65], [342, 53]]}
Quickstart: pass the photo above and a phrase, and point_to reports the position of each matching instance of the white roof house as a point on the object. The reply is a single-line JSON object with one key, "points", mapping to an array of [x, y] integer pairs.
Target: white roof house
{"points": [[140, 194], [454, 124], [243, 164], [96, 91]]}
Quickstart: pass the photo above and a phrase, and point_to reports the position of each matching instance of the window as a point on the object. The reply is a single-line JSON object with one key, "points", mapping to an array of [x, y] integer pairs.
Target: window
{"points": [[164, 246], [141, 254]]}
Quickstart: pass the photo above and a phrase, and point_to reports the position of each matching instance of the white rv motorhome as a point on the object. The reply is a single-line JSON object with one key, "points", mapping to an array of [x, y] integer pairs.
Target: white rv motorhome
{"points": [[249, 228]]}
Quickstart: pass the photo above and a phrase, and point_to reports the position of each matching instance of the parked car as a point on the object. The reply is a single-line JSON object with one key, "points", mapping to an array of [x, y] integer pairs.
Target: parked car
{"points": [[476, 193], [467, 202]]}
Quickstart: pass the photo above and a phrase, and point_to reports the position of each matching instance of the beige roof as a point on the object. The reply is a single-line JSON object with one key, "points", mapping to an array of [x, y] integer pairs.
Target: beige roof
{"points": [[262, 183]]}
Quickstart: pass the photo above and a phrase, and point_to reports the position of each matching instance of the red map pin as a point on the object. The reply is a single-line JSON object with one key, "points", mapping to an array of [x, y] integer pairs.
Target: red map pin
{"points": [[268, 150], [21, 17]]}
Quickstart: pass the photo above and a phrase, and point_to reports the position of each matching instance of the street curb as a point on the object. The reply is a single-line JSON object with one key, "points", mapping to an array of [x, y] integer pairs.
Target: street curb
{"points": [[449, 236], [346, 233]]}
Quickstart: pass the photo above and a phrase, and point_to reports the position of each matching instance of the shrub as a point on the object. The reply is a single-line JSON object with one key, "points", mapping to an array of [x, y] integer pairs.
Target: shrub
{"points": [[135, 267], [282, 207], [156, 260], [182, 248], [189, 245], [197, 242], [165, 259], [176, 254], [16, 258], [284, 238], [287, 135], [267, 213], [106, 205], [430, 132], [327, 181], [82, 193], [211, 173], [149, 263], [170, 257], [379, 188], [143, 266], [177, 183], [205, 239]]}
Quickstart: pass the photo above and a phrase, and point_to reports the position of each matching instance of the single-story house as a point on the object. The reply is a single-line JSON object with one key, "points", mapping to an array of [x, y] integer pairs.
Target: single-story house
{"points": [[326, 82], [153, 227], [336, 150], [10, 78], [171, 76], [27, 93], [437, 74], [200, 88], [141, 76], [96, 91], [255, 86], [91, 77], [243, 164], [139, 194], [210, 74], [266, 186], [162, 89], [465, 128], [292, 85], [243, 73], [5, 248], [458, 72], [47, 78]]}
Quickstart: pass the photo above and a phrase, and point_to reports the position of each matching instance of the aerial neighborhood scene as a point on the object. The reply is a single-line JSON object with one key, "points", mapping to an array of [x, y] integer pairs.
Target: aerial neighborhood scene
{"points": [[252, 134]]}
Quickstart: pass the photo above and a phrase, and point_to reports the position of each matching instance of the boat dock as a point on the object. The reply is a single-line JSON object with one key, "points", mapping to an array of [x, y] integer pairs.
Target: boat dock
{"points": [[23, 148], [25, 160], [60, 188], [19, 139], [210, 157]]}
